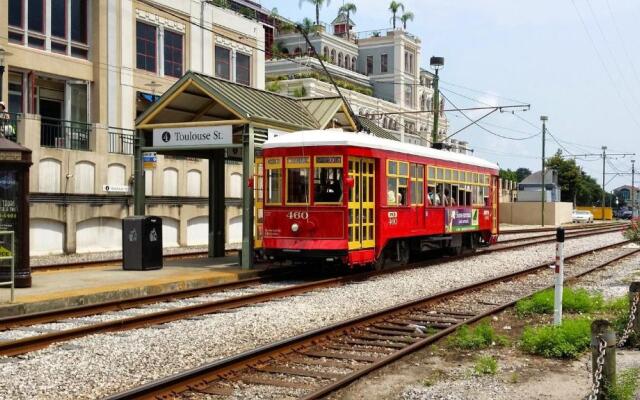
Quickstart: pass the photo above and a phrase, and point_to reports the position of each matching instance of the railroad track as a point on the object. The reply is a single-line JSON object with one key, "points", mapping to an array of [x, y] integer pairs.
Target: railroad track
{"points": [[196, 254], [567, 228], [571, 233], [315, 364], [46, 335]]}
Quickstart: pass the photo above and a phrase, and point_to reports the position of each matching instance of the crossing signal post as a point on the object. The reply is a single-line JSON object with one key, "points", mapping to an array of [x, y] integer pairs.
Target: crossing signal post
{"points": [[543, 196]]}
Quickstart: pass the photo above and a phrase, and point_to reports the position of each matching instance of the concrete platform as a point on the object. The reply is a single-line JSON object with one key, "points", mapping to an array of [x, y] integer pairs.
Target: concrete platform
{"points": [[68, 288]]}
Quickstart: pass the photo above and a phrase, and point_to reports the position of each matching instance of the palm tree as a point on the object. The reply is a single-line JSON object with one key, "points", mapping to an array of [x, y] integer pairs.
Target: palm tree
{"points": [[318, 4], [348, 9], [394, 6], [307, 25], [408, 16]]}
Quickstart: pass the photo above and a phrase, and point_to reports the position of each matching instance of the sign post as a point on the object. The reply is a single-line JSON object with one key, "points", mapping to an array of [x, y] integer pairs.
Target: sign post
{"points": [[559, 267]]}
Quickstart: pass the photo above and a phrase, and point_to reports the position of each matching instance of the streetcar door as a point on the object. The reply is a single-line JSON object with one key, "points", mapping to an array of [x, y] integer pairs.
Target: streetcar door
{"points": [[362, 203], [494, 204]]}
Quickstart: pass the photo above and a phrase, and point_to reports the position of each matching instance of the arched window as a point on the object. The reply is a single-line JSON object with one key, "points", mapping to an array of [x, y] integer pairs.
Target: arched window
{"points": [[84, 177], [49, 176], [333, 56], [170, 184], [354, 63], [116, 174], [297, 52], [194, 177], [340, 60], [285, 50], [325, 52], [347, 65], [235, 185]]}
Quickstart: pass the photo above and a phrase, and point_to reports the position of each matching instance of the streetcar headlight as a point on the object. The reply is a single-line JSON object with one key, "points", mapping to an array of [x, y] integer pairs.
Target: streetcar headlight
{"points": [[295, 227]]}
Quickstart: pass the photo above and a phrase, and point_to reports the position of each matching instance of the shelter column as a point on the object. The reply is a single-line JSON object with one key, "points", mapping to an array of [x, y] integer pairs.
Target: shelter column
{"points": [[248, 159], [216, 204], [138, 173]]}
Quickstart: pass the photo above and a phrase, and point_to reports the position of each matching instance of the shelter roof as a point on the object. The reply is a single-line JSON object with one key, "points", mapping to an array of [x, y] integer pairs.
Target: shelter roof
{"points": [[190, 99]]}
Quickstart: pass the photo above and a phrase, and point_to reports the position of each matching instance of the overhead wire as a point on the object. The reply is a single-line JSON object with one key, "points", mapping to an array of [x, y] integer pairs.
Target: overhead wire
{"points": [[604, 65]]}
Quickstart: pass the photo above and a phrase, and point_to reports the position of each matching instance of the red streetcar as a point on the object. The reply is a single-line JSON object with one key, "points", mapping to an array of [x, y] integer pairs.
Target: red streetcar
{"points": [[356, 199]]}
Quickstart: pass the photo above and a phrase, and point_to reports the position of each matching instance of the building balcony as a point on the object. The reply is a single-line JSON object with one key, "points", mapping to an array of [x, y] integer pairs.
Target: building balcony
{"points": [[120, 140], [386, 32], [9, 125], [63, 134]]}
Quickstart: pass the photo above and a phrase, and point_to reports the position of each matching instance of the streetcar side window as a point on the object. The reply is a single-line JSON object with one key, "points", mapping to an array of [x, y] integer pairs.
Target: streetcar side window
{"points": [[417, 184], [439, 194], [327, 179], [274, 181], [431, 194], [397, 181], [298, 180]]}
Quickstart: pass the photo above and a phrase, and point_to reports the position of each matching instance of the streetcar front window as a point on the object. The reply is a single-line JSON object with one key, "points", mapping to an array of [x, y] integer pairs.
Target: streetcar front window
{"points": [[298, 180], [327, 184], [273, 167], [327, 179], [274, 186]]}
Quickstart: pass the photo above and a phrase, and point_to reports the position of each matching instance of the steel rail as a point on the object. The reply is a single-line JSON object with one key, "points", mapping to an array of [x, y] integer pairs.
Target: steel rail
{"points": [[552, 233], [36, 342], [202, 376], [552, 236], [567, 228]]}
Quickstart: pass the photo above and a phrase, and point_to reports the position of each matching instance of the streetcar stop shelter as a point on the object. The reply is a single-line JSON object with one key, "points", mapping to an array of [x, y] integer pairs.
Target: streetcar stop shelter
{"points": [[205, 117]]}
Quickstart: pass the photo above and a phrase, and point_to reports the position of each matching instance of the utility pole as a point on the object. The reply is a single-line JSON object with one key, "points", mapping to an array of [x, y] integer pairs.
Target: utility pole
{"points": [[604, 182], [436, 63], [543, 192], [604, 166], [633, 188]]}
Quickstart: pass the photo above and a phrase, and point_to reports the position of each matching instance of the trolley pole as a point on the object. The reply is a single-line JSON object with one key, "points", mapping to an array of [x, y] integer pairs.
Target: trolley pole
{"points": [[557, 298], [544, 120]]}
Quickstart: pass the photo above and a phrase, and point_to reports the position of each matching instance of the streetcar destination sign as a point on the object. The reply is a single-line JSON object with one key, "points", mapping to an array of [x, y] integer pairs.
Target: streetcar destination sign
{"points": [[196, 136]]}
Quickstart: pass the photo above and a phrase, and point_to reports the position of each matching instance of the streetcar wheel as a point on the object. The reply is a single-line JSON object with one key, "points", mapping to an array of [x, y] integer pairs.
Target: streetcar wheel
{"points": [[403, 253], [380, 262]]}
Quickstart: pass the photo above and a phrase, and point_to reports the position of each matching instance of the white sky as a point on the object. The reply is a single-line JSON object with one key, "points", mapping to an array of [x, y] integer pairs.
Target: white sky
{"points": [[536, 52]]}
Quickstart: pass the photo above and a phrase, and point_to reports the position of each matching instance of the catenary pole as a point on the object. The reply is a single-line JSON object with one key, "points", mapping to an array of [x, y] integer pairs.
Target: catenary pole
{"points": [[544, 120], [633, 188], [604, 166]]}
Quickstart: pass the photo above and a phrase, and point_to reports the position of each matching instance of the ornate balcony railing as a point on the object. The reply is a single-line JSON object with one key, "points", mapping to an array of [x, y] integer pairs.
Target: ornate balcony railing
{"points": [[64, 134], [121, 140]]}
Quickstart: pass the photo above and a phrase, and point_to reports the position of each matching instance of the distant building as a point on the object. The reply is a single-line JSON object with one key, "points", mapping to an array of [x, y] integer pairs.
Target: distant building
{"points": [[529, 188], [624, 193], [378, 72]]}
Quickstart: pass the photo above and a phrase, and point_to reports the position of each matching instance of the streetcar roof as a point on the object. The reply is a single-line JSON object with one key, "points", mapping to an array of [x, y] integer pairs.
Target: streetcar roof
{"points": [[337, 137]]}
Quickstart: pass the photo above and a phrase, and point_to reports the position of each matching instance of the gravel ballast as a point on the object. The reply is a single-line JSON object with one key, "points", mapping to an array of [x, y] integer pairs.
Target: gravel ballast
{"points": [[99, 365]]}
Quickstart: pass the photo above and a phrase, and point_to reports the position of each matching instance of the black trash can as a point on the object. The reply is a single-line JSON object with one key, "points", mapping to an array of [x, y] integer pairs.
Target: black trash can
{"points": [[141, 243]]}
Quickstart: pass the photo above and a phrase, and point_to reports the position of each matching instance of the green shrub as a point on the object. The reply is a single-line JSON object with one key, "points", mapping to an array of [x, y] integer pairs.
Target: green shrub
{"points": [[486, 365], [573, 301], [481, 337], [274, 86], [626, 385], [565, 341]]}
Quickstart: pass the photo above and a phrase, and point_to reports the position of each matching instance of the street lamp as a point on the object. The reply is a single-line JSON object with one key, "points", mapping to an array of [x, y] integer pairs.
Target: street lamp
{"points": [[3, 56], [544, 120], [436, 63]]}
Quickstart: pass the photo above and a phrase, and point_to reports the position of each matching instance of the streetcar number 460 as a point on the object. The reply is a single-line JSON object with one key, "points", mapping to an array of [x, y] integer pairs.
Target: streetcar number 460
{"points": [[298, 215]]}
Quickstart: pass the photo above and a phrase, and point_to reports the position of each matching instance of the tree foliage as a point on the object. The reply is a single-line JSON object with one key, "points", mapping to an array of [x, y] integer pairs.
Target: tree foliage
{"points": [[522, 173], [575, 185]]}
